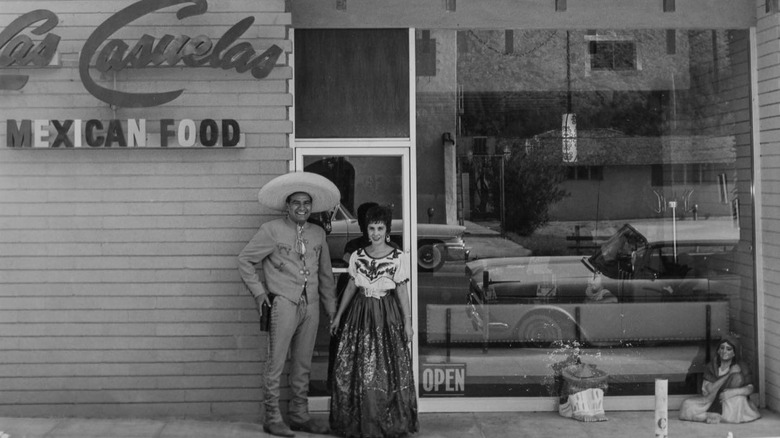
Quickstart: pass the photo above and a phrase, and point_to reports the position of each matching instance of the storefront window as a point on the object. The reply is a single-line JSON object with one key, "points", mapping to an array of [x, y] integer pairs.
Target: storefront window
{"points": [[602, 179]]}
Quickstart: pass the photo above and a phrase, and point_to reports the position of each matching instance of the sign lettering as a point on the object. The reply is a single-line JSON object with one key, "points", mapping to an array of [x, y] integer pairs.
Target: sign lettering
{"points": [[115, 55], [20, 49], [95, 133], [443, 379]]}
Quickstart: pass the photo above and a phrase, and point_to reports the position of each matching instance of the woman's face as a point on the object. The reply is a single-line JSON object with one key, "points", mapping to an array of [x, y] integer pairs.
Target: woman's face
{"points": [[377, 232], [726, 351]]}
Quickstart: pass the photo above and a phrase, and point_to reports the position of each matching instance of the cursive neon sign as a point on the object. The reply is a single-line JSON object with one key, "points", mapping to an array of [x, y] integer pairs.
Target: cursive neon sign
{"points": [[115, 55]]}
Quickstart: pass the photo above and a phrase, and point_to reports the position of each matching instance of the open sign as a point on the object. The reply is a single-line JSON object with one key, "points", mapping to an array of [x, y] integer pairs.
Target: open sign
{"points": [[443, 379]]}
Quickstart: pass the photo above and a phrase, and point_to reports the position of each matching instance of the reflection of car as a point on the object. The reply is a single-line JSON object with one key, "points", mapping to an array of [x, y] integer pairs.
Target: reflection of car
{"points": [[436, 243], [669, 282]]}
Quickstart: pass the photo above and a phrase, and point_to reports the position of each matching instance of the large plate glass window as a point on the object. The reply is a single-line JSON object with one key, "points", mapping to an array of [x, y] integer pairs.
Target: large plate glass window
{"points": [[603, 180]]}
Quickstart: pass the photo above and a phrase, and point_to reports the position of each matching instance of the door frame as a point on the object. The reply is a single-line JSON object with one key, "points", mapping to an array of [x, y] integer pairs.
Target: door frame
{"points": [[373, 148]]}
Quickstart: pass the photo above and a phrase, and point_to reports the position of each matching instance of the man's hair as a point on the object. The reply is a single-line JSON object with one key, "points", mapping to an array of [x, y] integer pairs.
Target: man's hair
{"points": [[380, 214], [287, 201]]}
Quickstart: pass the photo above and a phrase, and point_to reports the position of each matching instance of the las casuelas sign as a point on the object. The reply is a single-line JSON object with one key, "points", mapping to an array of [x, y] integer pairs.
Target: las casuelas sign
{"points": [[115, 55]]}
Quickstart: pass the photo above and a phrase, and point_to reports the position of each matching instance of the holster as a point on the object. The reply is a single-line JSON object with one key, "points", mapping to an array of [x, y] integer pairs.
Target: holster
{"points": [[265, 314]]}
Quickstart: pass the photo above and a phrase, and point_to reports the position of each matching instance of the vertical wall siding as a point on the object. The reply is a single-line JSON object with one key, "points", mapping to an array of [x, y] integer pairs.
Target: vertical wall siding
{"points": [[768, 42], [734, 85], [119, 294]]}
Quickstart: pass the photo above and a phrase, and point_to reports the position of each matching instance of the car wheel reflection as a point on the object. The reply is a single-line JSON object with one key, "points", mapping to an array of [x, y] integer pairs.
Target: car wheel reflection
{"points": [[430, 256], [545, 328]]}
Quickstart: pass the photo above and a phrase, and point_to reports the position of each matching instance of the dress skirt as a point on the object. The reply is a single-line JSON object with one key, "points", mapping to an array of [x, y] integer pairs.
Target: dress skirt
{"points": [[373, 393]]}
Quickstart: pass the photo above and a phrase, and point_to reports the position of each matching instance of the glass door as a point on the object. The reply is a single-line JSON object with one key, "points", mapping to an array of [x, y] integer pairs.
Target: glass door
{"points": [[364, 175]]}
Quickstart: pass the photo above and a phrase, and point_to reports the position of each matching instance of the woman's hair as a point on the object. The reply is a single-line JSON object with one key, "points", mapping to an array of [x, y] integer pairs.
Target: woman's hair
{"points": [[735, 344], [361, 216], [380, 214]]}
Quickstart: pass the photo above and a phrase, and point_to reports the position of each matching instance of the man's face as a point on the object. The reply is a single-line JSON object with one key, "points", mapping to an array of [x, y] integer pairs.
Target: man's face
{"points": [[299, 207]]}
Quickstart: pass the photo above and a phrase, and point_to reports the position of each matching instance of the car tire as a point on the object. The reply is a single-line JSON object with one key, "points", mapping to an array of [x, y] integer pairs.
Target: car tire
{"points": [[544, 329], [430, 256]]}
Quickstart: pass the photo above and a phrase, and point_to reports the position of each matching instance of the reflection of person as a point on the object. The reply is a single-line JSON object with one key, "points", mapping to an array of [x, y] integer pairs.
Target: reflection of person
{"points": [[373, 392], [725, 390], [595, 292], [293, 256], [615, 257]]}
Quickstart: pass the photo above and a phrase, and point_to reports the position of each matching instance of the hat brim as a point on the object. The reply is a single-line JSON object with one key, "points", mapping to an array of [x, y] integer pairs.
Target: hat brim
{"points": [[324, 194]]}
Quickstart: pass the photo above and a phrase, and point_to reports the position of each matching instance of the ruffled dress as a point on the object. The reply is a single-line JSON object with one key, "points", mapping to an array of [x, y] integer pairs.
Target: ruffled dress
{"points": [[373, 393]]}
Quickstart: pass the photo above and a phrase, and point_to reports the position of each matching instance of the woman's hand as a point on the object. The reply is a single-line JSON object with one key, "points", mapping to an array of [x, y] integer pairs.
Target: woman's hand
{"points": [[408, 330], [334, 325], [725, 395]]}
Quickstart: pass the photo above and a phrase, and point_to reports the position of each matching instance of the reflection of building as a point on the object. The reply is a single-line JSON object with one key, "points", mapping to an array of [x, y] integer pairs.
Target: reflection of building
{"points": [[647, 129]]}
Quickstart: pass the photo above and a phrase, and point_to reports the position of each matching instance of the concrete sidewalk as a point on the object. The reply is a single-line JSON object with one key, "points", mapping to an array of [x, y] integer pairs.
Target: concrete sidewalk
{"points": [[447, 425]]}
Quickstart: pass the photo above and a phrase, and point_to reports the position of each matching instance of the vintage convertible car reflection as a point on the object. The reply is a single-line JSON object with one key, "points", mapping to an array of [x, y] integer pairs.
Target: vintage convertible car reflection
{"points": [[436, 243], [670, 282]]}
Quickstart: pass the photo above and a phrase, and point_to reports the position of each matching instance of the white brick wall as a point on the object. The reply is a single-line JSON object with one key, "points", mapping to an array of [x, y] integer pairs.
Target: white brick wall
{"points": [[119, 293]]}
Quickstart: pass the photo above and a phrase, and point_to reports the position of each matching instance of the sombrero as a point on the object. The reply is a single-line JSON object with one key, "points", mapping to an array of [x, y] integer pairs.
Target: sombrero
{"points": [[324, 194]]}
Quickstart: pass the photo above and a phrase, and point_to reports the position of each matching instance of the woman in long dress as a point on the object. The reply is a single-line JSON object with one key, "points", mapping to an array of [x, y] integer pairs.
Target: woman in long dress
{"points": [[725, 390], [373, 393]]}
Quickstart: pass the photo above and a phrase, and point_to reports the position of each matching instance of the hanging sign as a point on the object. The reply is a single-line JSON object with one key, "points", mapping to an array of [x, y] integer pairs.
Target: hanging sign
{"points": [[116, 55], [569, 137], [443, 379]]}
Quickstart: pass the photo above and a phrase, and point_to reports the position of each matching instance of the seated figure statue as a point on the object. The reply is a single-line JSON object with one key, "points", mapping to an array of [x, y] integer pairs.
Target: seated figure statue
{"points": [[725, 391]]}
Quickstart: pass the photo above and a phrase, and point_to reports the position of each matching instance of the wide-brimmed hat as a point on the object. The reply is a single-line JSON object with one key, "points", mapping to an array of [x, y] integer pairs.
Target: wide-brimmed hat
{"points": [[324, 194]]}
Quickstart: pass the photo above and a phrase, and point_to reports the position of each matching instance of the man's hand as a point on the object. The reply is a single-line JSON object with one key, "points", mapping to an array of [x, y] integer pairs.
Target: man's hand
{"points": [[260, 300]]}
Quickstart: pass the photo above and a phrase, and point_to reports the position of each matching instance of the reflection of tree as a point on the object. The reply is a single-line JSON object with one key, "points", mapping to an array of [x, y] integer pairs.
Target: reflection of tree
{"points": [[512, 114], [532, 183], [634, 113]]}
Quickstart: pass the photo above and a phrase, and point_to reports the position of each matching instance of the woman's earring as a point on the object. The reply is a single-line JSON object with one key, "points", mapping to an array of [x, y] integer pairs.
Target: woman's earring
{"points": [[387, 238]]}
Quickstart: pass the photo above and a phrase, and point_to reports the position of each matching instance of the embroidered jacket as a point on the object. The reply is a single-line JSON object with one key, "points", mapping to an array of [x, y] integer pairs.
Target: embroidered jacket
{"points": [[285, 271]]}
